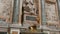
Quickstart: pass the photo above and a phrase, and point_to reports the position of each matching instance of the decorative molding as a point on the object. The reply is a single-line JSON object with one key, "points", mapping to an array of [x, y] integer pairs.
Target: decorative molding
{"points": [[15, 30], [54, 1]]}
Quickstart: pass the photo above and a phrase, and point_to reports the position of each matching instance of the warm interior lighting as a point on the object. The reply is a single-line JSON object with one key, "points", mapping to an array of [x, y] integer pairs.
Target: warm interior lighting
{"points": [[32, 28]]}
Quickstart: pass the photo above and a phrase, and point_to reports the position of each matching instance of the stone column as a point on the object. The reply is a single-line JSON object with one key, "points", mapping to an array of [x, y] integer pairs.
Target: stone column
{"points": [[43, 12], [16, 11]]}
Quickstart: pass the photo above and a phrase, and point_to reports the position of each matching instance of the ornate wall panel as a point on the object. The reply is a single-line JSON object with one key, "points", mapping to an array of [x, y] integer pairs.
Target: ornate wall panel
{"points": [[51, 12], [31, 9], [6, 10]]}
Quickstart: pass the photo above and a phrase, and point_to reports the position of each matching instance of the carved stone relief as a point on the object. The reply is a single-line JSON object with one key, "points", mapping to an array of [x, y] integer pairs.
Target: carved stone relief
{"points": [[51, 13], [5, 9], [30, 11], [29, 7]]}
